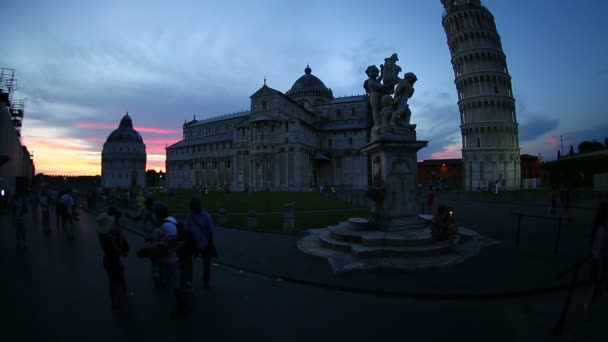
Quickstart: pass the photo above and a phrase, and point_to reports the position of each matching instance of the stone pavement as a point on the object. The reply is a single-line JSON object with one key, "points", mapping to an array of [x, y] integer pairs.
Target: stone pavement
{"points": [[57, 290], [501, 269]]}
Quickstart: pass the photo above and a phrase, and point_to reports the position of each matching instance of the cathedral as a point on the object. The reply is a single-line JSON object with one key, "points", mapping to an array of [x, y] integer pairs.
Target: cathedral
{"points": [[123, 159], [291, 141]]}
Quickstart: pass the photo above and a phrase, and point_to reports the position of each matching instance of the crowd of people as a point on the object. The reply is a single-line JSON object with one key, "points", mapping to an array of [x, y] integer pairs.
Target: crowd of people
{"points": [[171, 247]]}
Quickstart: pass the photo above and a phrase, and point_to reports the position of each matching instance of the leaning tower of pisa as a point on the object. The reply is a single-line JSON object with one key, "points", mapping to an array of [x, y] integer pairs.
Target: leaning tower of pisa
{"points": [[490, 143]]}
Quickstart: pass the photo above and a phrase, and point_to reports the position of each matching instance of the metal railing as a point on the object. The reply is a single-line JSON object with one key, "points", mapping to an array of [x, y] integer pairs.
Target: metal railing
{"points": [[558, 218]]}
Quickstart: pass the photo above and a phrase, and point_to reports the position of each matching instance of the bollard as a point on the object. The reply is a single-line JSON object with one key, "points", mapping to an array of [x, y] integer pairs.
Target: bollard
{"points": [[252, 221], [288, 217], [222, 217], [558, 237], [518, 229]]}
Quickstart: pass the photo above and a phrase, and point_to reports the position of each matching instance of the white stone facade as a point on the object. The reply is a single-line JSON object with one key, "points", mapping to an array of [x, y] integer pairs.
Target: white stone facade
{"points": [[123, 160], [284, 142], [490, 142]]}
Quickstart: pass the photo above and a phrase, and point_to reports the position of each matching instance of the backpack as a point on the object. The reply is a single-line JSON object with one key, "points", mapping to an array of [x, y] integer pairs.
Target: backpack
{"points": [[187, 247]]}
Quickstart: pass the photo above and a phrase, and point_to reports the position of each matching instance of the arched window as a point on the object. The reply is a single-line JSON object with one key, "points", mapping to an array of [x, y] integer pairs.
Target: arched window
{"points": [[339, 113]]}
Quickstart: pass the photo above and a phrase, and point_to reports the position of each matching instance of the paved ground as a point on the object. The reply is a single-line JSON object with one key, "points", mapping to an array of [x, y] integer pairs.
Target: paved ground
{"points": [[57, 290]]}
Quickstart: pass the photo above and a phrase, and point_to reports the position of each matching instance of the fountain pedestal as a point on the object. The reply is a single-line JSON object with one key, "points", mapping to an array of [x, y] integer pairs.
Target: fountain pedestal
{"points": [[394, 181]]}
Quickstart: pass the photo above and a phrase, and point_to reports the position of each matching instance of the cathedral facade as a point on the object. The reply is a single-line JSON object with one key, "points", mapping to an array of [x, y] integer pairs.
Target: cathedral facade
{"points": [[123, 159], [291, 141]]}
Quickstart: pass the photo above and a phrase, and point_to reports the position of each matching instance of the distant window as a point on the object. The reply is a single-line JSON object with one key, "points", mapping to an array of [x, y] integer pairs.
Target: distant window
{"points": [[329, 142], [228, 164], [350, 141], [353, 111], [478, 142], [339, 113], [338, 163], [264, 105], [287, 127], [286, 140]]}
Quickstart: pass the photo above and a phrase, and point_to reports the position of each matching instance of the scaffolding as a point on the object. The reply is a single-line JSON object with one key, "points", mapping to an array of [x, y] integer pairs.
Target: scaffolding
{"points": [[17, 110], [8, 85], [8, 82]]}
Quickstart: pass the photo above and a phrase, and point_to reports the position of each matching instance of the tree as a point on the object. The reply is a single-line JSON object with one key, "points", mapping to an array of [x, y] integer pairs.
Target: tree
{"points": [[606, 142], [559, 155], [151, 177], [589, 146], [571, 152]]}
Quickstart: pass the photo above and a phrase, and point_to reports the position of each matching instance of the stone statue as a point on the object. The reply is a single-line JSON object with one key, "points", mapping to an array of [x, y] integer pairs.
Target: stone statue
{"points": [[375, 89], [390, 71], [391, 115], [387, 110], [404, 90]]}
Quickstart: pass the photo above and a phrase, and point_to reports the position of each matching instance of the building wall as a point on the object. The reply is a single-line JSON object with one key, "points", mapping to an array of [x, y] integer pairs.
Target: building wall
{"points": [[277, 145], [123, 164], [19, 163]]}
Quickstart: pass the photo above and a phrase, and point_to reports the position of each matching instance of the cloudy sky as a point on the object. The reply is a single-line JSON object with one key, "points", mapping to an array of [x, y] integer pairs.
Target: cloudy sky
{"points": [[82, 64]]}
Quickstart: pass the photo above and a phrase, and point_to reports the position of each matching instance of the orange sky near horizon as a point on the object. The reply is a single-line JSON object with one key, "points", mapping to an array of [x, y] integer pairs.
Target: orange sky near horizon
{"points": [[57, 153]]}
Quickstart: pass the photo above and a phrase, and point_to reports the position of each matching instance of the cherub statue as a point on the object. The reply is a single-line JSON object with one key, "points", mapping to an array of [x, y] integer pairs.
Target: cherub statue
{"points": [[390, 70], [375, 90], [387, 109], [404, 90]]}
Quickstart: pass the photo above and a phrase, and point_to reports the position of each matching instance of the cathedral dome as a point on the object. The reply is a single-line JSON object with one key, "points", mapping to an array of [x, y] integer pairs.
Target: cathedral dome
{"points": [[125, 132], [308, 85]]}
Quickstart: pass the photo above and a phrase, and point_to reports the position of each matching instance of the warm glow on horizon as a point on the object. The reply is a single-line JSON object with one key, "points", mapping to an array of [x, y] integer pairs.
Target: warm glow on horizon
{"points": [[452, 151]]}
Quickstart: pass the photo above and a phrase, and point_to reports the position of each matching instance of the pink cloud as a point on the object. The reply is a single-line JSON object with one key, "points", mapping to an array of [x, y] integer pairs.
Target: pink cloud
{"points": [[101, 125], [551, 141], [449, 152], [95, 125], [156, 130]]}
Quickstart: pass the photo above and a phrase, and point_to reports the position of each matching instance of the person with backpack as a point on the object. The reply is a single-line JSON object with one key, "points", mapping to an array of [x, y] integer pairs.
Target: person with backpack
{"points": [[19, 206], [151, 233], [169, 263], [115, 247]]}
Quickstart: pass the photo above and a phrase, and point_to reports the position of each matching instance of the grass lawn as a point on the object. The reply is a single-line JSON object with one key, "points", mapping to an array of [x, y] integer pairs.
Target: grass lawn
{"points": [[179, 201], [269, 207], [303, 220]]}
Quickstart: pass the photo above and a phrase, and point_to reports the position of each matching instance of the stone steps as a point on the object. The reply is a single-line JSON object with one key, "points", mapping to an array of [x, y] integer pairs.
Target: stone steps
{"points": [[411, 237], [347, 249], [374, 251]]}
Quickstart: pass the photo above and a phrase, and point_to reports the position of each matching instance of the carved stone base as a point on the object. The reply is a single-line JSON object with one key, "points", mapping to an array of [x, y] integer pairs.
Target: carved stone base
{"points": [[394, 176], [393, 133]]}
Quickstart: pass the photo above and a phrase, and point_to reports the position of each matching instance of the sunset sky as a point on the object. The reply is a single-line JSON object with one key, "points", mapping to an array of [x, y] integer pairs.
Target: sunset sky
{"points": [[82, 65]]}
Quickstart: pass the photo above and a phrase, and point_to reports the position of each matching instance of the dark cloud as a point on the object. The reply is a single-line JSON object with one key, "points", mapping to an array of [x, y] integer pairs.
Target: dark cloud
{"points": [[535, 126]]}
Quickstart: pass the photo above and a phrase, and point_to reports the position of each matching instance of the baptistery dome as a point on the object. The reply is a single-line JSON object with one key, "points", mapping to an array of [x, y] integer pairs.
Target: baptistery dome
{"points": [[125, 132]]}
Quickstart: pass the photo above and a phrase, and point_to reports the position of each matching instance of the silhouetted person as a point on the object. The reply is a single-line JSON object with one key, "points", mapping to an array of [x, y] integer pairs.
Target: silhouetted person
{"points": [[114, 247], [169, 264], [19, 209], [430, 200], [44, 208], [151, 230], [200, 224], [599, 245]]}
